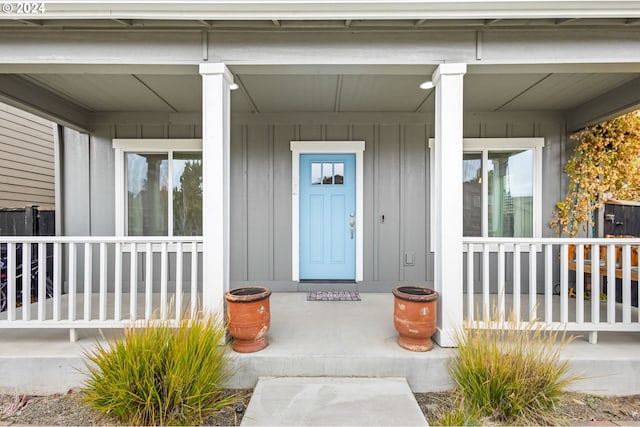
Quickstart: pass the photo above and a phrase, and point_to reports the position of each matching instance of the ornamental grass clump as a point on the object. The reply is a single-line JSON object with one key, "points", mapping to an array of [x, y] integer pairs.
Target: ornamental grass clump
{"points": [[511, 373], [159, 374]]}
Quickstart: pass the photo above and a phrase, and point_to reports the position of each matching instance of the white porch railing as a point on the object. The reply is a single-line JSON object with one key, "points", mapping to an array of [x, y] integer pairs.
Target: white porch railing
{"points": [[576, 284], [98, 282]]}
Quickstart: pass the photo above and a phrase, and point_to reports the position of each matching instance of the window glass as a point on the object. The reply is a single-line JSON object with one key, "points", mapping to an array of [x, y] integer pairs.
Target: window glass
{"points": [[187, 194], [472, 194], [147, 201], [316, 173], [338, 173], [327, 173], [510, 193]]}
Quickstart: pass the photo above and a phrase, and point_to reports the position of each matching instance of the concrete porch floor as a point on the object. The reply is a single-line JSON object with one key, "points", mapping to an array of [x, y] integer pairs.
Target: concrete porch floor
{"points": [[314, 338]]}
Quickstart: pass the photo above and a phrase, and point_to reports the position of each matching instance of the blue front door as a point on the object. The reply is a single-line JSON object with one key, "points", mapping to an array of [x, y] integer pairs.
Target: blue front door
{"points": [[327, 217]]}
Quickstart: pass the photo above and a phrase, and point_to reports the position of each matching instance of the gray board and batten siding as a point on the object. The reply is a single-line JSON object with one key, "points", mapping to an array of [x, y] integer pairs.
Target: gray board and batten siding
{"points": [[26, 160], [396, 185]]}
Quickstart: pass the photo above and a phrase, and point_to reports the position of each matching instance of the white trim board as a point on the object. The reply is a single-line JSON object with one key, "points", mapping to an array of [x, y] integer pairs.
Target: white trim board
{"points": [[149, 145], [326, 147], [497, 144]]}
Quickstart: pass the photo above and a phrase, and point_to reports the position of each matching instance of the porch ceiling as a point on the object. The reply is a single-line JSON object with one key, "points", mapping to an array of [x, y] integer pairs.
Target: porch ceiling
{"points": [[331, 89]]}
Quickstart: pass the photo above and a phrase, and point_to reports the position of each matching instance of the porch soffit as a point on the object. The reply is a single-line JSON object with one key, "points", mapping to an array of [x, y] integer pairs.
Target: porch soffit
{"points": [[144, 95]]}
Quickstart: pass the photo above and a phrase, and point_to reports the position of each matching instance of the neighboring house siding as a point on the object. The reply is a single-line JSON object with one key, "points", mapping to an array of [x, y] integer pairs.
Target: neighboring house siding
{"points": [[26, 160]]}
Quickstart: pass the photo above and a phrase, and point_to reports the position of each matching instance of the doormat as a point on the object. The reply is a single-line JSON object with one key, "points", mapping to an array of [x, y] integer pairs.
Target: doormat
{"points": [[333, 296]]}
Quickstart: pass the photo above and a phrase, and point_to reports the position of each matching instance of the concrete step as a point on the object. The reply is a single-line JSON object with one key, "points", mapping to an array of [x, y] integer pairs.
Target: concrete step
{"points": [[327, 401]]}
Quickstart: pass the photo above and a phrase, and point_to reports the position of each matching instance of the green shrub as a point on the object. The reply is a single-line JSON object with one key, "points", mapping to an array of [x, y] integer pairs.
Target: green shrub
{"points": [[511, 372], [460, 416], [160, 374]]}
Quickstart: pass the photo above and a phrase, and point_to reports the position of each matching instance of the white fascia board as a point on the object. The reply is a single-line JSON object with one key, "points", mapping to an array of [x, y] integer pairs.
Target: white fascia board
{"points": [[333, 9]]}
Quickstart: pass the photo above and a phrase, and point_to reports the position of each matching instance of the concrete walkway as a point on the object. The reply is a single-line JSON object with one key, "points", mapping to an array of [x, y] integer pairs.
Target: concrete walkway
{"points": [[324, 401]]}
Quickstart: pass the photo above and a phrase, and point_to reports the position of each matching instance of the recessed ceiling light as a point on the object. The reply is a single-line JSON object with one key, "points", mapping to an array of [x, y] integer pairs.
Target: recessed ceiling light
{"points": [[426, 85], [233, 86]]}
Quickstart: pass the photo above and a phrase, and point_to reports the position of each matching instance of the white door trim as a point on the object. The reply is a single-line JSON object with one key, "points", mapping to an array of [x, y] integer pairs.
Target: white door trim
{"points": [[326, 147]]}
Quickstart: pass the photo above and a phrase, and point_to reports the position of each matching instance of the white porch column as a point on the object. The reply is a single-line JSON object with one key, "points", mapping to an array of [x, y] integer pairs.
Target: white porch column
{"points": [[447, 200], [216, 122]]}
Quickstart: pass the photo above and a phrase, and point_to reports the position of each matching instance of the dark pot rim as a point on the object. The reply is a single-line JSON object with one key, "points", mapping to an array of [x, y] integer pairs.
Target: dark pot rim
{"points": [[248, 294], [415, 293]]}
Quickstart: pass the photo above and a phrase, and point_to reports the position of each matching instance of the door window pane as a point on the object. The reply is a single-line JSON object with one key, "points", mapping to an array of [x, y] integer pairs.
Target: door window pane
{"points": [[316, 174], [472, 194], [147, 176], [510, 188], [327, 173], [187, 194], [338, 173]]}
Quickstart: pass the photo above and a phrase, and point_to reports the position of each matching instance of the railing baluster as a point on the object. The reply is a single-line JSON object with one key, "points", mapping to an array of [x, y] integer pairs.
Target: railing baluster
{"points": [[611, 283], [57, 282], [88, 285], [163, 280], [580, 283], [148, 290], [194, 279], [564, 283], [486, 301], [533, 282], [470, 279], [548, 283], [72, 280], [133, 283], [42, 276], [26, 282], [501, 281], [117, 308], [179, 262], [626, 284], [102, 312], [11, 281], [516, 282], [595, 291]]}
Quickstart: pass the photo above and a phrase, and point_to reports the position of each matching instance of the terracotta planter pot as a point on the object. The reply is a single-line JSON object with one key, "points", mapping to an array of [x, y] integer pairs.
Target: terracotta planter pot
{"points": [[249, 318], [414, 316]]}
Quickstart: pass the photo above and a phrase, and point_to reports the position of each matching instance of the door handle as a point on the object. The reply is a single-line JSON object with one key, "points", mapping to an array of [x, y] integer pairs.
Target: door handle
{"points": [[352, 226]]}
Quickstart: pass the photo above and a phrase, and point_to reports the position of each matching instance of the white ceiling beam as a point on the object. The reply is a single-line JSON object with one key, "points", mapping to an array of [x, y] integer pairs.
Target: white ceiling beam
{"points": [[573, 68], [154, 92], [155, 69], [336, 107], [31, 22], [565, 21], [339, 9], [243, 88], [611, 104], [125, 22], [22, 94], [309, 69], [523, 92]]}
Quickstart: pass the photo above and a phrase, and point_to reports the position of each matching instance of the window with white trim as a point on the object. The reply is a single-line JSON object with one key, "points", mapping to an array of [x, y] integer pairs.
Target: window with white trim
{"points": [[159, 187], [502, 179]]}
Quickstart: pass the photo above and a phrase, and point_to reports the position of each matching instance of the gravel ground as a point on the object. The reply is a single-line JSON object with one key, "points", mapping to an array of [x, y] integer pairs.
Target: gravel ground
{"points": [[68, 410], [575, 409]]}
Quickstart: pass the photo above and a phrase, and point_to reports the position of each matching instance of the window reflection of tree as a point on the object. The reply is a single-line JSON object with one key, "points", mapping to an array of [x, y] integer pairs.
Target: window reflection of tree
{"points": [[147, 194], [187, 200]]}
